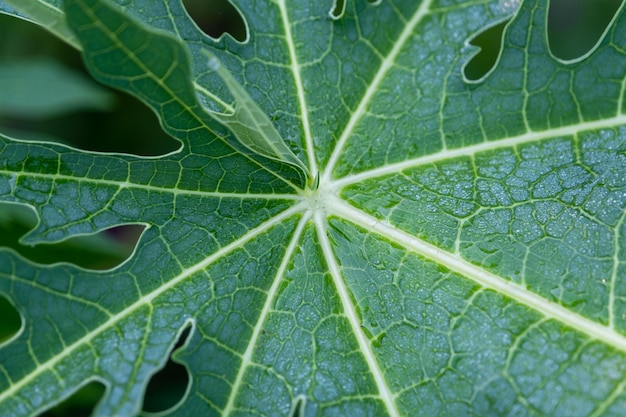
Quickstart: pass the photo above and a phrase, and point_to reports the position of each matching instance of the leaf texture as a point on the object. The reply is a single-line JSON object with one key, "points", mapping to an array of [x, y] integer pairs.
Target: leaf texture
{"points": [[463, 253]]}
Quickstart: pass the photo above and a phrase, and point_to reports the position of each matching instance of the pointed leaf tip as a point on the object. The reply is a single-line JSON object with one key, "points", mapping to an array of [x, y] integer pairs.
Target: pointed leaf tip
{"points": [[250, 125]]}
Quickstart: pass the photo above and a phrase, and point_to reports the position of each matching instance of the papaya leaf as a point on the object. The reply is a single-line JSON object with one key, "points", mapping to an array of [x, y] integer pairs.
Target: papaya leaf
{"points": [[396, 241]]}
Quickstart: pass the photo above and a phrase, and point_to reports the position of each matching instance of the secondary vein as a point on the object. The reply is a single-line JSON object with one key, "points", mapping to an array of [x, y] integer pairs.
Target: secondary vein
{"points": [[513, 141], [246, 359], [295, 69], [364, 344], [146, 300], [487, 279], [385, 65]]}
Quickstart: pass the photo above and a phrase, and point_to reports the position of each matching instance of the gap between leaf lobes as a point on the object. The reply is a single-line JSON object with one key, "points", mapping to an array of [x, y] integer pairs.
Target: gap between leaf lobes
{"points": [[489, 41], [339, 7], [217, 17]]}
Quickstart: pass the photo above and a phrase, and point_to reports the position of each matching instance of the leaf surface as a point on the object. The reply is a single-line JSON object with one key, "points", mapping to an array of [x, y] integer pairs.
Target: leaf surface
{"points": [[462, 255]]}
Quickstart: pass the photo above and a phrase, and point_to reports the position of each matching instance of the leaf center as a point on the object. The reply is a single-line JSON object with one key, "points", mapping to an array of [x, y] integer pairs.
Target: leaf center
{"points": [[318, 197]]}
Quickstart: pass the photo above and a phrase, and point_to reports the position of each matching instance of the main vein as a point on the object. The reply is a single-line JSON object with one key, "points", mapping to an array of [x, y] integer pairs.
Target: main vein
{"points": [[480, 147], [246, 359], [146, 299], [295, 69], [364, 344], [385, 65], [145, 187], [616, 267], [486, 279]]}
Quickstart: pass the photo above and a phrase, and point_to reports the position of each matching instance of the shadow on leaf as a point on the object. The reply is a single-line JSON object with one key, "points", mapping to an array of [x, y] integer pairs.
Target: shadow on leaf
{"points": [[11, 320]]}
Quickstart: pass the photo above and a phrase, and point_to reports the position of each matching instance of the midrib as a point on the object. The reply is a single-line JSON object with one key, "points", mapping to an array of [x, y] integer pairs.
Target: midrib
{"points": [[530, 137], [272, 293], [487, 279], [335, 206], [351, 315], [147, 299], [295, 70], [152, 188], [385, 66]]}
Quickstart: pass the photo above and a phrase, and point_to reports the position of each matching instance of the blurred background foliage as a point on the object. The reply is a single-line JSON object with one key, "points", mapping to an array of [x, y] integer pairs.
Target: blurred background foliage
{"points": [[45, 94]]}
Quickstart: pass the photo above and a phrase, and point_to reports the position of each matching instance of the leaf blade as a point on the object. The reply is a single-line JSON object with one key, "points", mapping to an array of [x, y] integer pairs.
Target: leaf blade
{"points": [[250, 124], [393, 286]]}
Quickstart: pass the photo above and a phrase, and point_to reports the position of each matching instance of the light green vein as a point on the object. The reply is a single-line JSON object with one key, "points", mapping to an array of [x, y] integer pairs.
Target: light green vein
{"points": [[524, 88], [295, 69], [226, 107], [513, 141], [269, 302], [146, 300], [612, 399], [616, 266], [385, 65], [487, 279], [364, 344], [51, 290], [152, 188]]}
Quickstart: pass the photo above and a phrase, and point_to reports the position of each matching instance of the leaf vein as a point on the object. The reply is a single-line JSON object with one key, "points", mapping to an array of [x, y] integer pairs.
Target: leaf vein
{"points": [[385, 392], [487, 279]]}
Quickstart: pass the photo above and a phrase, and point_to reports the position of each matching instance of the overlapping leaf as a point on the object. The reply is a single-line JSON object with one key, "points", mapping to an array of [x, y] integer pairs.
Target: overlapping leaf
{"points": [[463, 253]]}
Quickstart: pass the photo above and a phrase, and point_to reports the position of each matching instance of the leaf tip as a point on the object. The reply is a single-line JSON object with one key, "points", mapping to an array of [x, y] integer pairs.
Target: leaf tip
{"points": [[249, 123]]}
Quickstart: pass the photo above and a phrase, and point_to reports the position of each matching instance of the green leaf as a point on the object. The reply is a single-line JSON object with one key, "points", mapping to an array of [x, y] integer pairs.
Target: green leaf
{"points": [[46, 13], [39, 88], [463, 253], [99, 251], [155, 67], [250, 125]]}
